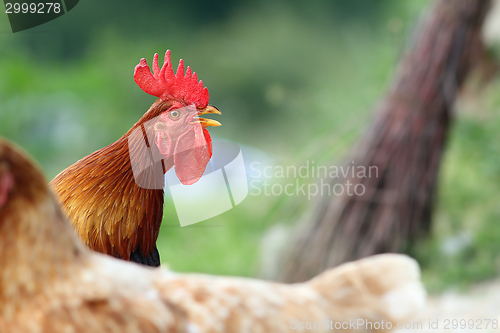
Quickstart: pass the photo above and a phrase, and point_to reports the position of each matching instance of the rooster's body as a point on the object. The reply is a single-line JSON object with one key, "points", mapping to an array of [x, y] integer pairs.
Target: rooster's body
{"points": [[118, 211], [50, 282]]}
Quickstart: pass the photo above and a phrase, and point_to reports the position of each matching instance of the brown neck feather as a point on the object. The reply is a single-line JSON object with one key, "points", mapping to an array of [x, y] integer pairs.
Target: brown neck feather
{"points": [[110, 212]]}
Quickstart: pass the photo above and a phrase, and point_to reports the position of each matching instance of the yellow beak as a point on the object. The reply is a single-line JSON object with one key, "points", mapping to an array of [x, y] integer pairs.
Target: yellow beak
{"points": [[209, 109], [208, 122]]}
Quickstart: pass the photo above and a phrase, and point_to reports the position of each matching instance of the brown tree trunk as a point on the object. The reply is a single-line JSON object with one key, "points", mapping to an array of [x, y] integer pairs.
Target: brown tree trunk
{"points": [[403, 147]]}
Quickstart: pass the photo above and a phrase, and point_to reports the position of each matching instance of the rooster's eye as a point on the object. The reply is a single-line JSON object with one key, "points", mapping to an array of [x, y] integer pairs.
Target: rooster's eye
{"points": [[174, 114]]}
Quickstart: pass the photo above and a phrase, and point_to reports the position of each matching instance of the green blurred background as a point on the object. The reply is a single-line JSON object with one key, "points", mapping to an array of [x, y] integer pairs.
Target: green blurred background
{"points": [[295, 81]]}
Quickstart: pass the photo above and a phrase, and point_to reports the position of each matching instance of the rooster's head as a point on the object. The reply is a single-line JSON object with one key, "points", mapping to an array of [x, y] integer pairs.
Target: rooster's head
{"points": [[180, 134]]}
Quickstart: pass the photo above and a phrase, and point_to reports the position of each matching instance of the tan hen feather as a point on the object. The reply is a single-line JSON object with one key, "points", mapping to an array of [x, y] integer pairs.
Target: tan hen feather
{"points": [[50, 282]]}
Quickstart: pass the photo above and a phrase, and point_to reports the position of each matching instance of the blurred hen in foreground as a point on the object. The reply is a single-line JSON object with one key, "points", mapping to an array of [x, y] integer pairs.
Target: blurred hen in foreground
{"points": [[114, 196], [50, 282]]}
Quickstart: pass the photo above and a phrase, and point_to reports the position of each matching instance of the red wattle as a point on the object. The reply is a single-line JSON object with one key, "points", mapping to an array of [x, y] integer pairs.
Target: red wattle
{"points": [[191, 154]]}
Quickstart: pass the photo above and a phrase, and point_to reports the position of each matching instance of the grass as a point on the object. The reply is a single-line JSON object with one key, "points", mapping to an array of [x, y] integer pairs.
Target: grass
{"points": [[465, 246]]}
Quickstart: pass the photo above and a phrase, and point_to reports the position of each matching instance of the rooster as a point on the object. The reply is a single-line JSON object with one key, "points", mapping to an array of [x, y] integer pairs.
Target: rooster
{"points": [[51, 282], [114, 196]]}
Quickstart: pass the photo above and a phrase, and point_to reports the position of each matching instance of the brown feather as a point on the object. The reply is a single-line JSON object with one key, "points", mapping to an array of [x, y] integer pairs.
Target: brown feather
{"points": [[50, 282], [109, 211]]}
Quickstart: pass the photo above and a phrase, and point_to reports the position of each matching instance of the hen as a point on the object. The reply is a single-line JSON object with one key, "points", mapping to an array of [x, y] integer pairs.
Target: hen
{"points": [[114, 196], [51, 282]]}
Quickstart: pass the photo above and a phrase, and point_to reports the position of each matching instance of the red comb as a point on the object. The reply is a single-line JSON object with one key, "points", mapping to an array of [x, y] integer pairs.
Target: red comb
{"points": [[167, 85]]}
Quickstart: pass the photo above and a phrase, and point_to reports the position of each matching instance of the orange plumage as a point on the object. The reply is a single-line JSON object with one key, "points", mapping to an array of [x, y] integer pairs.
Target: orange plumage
{"points": [[50, 282], [112, 209]]}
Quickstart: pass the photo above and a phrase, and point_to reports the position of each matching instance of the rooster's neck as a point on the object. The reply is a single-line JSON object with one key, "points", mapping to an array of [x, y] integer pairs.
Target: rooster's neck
{"points": [[114, 209], [117, 207]]}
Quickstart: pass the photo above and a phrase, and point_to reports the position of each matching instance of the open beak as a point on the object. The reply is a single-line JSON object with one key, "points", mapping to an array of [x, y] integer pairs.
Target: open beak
{"points": [[207, 122]]}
